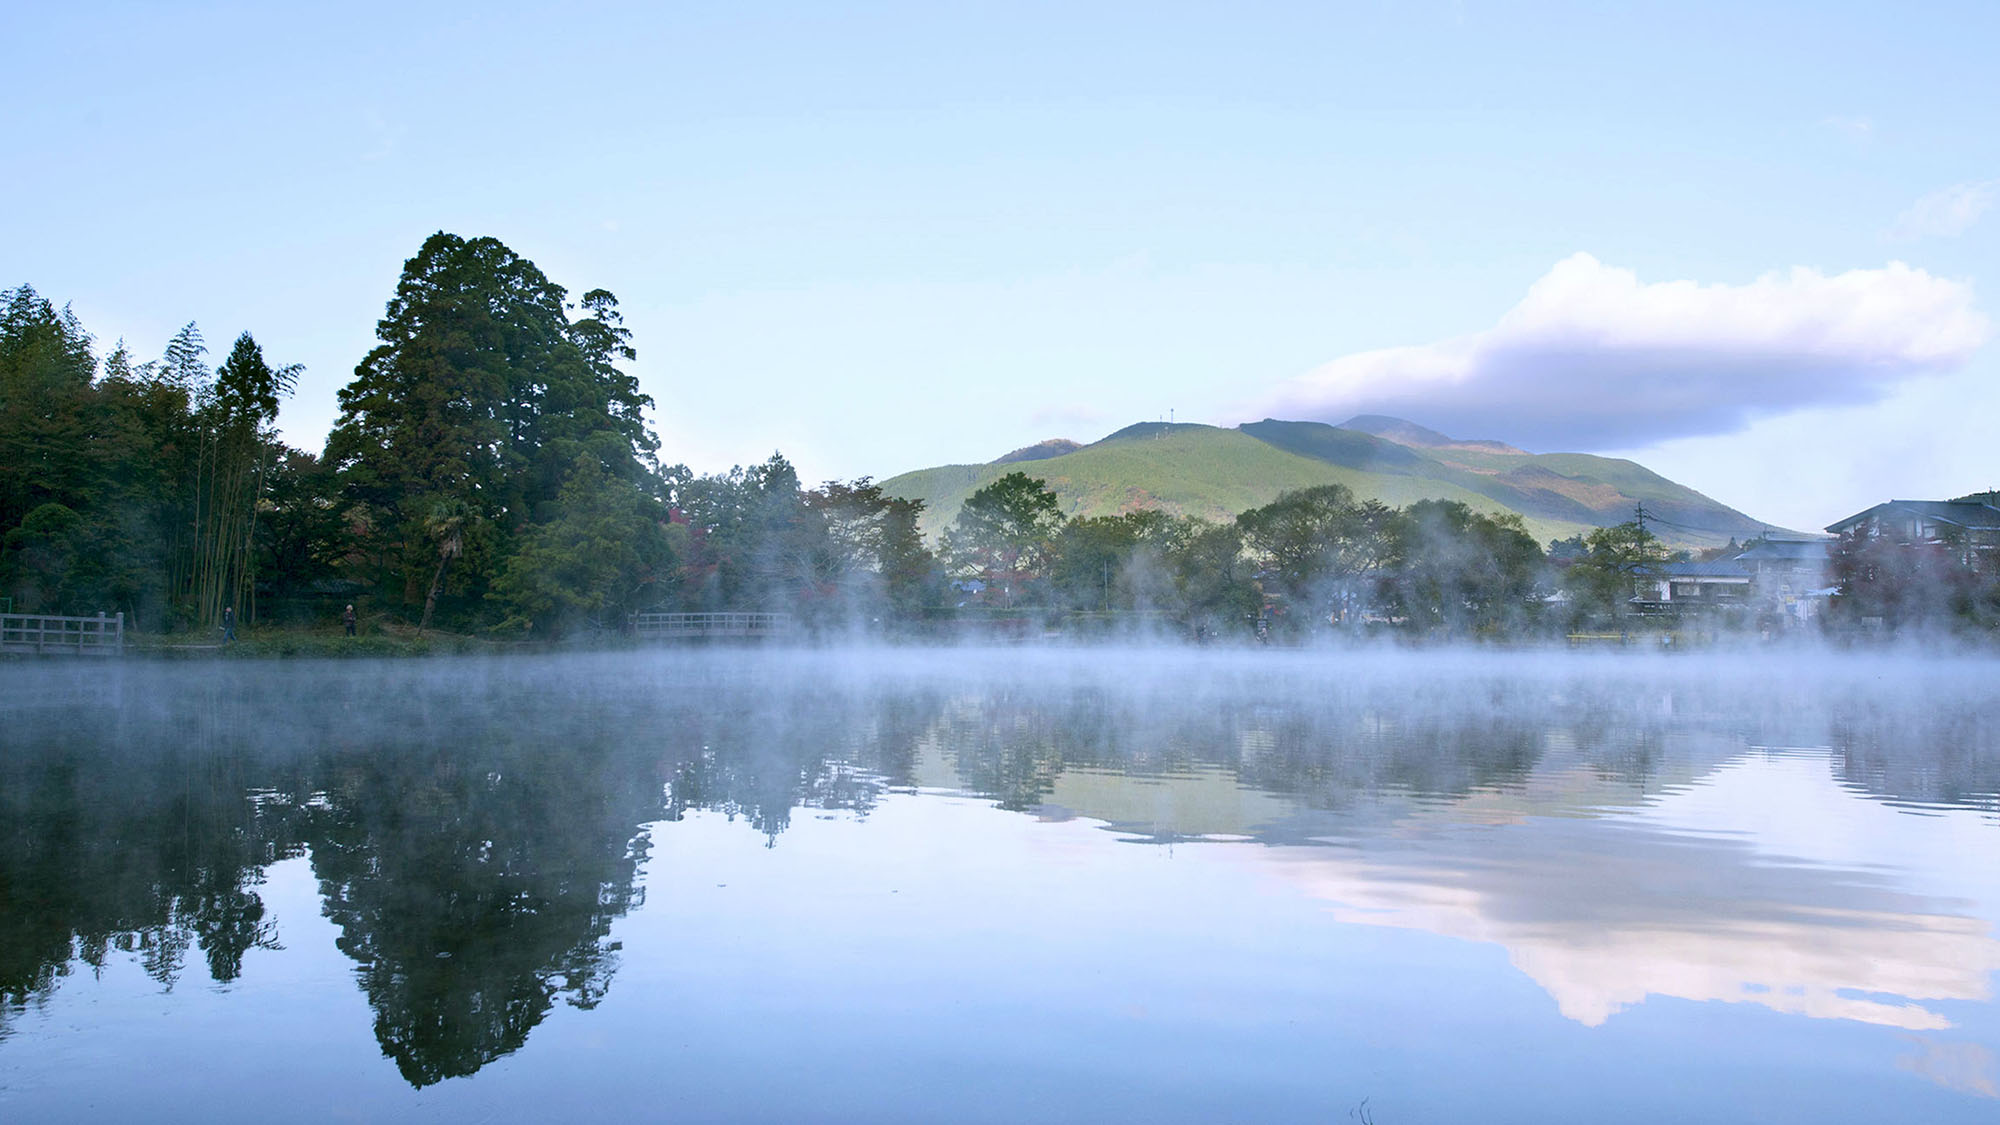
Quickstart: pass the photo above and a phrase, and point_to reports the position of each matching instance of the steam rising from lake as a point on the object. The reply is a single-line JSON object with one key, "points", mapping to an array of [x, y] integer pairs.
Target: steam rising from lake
{"points": [[1003, 883]]}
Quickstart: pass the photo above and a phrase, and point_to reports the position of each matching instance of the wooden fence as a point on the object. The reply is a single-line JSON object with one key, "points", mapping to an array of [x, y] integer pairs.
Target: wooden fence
{"points": [[44, 635], [663, 626]]}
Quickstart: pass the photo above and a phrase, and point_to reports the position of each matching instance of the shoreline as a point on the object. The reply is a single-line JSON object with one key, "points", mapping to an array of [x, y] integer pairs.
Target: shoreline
{"points": [[283, 645]]}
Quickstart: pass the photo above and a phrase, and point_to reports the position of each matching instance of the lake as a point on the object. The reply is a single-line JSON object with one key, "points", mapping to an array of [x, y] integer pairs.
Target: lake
{"points": [[1003, 885]]}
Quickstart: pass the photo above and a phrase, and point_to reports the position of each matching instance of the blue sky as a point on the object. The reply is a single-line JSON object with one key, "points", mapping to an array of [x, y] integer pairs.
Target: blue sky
{"points": [[879, 237]]}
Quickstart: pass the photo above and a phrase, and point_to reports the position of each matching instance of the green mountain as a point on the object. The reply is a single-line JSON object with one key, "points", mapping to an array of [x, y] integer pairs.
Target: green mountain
{"points": [[1215, 473]]}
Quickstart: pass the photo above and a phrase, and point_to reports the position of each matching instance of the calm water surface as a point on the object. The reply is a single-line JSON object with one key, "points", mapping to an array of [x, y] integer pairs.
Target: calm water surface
{"points": [[1180, 886]]}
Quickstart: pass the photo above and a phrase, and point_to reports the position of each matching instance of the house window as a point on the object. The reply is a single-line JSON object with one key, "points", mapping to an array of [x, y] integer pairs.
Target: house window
{"points": [[1687, 589]]}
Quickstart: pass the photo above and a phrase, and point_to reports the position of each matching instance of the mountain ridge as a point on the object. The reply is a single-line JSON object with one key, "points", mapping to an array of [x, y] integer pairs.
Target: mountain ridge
{"points": [[1040, 451], [1405, 432]]}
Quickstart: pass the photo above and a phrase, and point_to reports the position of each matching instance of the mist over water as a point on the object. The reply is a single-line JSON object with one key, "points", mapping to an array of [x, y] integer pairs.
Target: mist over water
{"points": [[997, 884]]}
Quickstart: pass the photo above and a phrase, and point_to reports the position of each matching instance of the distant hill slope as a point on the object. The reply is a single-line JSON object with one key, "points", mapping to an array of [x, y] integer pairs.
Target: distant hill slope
{"points": [[1215, 473], [1040, 451], [1565, 487], [1409, 433]]}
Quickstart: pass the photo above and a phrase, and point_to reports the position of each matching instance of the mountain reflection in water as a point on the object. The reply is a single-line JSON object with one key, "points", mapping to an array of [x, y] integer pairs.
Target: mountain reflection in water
{"points": [[1816, 842]]}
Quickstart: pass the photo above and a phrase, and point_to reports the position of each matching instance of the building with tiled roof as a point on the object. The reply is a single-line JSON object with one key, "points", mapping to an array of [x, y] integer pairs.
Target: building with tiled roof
{"points": [[1921, 521]]}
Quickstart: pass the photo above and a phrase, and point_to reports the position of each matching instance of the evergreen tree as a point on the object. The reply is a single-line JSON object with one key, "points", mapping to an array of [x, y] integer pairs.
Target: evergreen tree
{"points": [[484, 395], [605, 554], [301, 532], [48, 422]]}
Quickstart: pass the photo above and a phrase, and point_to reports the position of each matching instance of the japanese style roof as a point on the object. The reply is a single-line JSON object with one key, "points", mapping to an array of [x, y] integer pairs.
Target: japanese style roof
{"points": [[1798, 550], [1973, 515]]}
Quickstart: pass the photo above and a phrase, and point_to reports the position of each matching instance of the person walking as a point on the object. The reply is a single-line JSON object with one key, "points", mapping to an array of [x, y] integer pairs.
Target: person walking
{"points": [[228, 623], [347, 619]]}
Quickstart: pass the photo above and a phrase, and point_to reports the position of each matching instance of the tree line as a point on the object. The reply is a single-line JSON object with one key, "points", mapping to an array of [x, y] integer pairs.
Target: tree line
{"points": [[492, 471], [127, 485], [1313, 561]]}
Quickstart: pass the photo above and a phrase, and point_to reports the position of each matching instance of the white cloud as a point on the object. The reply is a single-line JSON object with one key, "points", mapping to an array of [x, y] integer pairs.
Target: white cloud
{"points": [[1602, 931], [1946, 212], [1593, 358], [1859, 128]]}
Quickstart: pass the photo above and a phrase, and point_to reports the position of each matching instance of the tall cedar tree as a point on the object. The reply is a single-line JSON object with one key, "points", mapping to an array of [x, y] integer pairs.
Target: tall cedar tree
{"points": [[477, 403]]}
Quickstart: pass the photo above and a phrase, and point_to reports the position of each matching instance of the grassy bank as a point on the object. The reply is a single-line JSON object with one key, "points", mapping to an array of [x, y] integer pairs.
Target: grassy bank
{"points": [[269, 642]]}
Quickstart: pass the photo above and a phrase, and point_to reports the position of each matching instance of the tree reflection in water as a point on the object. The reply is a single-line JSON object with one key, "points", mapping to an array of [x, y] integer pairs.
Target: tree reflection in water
{"points": [[476, 830], [151, 854], [472, 841], [476, 883]]}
